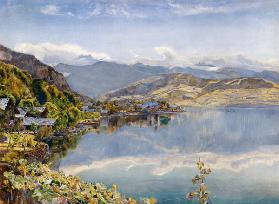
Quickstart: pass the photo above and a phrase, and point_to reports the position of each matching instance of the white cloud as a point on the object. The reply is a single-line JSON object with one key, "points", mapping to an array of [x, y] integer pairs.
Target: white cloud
{"points": [[166, 52], [61, 53], [186, 9], [238, 61], [166, 163], [119, 9], [194, 9], [167, 56], [50, 9], [54, 10]]}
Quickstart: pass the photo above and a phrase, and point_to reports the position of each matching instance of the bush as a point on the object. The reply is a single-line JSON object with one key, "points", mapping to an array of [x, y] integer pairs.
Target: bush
{"points": [[74, 116], [40, 92], [44, 132], [30, 102]]}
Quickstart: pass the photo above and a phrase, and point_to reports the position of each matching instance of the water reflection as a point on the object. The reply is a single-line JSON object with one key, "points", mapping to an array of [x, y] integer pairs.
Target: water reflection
{"points": [[146, 157], [112, 124]]}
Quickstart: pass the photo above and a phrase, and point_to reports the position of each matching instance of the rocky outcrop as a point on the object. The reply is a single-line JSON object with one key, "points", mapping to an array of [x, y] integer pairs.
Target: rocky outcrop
{"points": [[32, 65]]}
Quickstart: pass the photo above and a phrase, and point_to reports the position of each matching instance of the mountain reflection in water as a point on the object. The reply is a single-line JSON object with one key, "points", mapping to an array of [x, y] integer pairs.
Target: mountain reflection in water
{"points": [[155, 155]]}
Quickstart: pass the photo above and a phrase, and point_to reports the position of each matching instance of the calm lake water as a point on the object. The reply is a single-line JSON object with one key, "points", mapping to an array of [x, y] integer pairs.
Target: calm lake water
{"points": [[151, 156]]}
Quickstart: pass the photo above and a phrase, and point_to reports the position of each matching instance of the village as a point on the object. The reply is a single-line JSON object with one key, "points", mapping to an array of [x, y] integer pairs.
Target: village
{"points": [[33, 119], [24, 118]]}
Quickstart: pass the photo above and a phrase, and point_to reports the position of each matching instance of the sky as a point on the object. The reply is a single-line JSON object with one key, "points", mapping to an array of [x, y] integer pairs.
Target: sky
{"points": [[156, 32]]}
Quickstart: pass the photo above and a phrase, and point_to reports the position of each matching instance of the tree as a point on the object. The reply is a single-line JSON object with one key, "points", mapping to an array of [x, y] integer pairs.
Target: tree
{"points": [[33, 127]]}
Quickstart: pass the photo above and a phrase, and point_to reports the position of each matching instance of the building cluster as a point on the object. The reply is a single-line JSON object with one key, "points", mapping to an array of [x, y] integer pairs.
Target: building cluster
{"points": [[23, 116], [87, 108]]}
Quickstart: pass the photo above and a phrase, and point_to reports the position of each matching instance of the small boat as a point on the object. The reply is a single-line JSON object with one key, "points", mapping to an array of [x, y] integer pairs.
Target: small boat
{"points": [[164, 119]]}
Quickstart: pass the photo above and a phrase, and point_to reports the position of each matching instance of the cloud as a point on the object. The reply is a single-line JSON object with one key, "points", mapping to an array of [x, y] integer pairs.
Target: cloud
{"points": [[194, 9], [53, 54], [50, 9], [162, 8], [119, 9], [209, 7], [167, 56], [238, 61], [167, 163], [167, 53], [54, 10], [66, 74]]}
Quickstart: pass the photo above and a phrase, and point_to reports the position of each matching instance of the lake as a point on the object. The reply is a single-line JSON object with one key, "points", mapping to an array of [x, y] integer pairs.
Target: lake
{"points": [[154, 156]]}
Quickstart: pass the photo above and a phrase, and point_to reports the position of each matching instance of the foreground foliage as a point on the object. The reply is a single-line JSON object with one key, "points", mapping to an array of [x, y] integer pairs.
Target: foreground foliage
{"points": [[27, 92], [46, 185], [34, 179], [202, 191]]}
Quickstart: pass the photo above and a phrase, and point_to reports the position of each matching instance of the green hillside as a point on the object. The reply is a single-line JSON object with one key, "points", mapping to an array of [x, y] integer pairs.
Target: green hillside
{"points": [[25, 91]]}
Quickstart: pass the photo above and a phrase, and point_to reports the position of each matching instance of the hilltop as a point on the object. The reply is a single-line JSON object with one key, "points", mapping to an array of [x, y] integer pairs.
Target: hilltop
{"points": [[188, 90]]}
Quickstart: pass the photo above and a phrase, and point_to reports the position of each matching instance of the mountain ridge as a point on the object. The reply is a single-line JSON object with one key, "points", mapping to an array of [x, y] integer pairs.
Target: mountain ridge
{"points": [[101, 77], [188, 90]]}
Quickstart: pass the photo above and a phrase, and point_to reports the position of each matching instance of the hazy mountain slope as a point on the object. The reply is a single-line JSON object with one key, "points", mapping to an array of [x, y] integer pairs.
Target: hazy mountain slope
{"points": [[101, 77], [199, 72], [154, 70], [33, 66], [230, 72], [270, 75], [185, 89]]}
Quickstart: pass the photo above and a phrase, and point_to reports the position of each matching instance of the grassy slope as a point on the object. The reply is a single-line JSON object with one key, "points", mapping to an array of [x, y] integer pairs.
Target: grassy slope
{"points": [[22, 89], [184, 89]]}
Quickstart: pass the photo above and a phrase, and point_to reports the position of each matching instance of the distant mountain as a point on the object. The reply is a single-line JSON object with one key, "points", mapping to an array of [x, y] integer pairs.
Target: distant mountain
{"points": [[33, 66], [239, 72], [96, 79], [199, 72], [188, 90], [101, 77], [270, 75]]}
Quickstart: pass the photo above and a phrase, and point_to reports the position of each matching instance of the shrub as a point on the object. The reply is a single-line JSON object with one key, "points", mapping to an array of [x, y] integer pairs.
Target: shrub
{"points": [[44, 132]]}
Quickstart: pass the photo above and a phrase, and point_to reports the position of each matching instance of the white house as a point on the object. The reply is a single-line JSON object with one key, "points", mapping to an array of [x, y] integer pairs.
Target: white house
{"points": [[4, 103], [28, 121], [20, 113]]}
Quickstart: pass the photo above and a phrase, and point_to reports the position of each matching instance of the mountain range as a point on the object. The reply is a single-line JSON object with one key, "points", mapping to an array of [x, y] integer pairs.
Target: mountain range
{"points": [[188, 90], [204, 84], [101, 77]]}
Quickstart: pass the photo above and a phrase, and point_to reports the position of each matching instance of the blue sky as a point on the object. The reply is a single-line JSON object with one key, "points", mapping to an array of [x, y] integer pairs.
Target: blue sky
{"points": [[166, 32]]}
